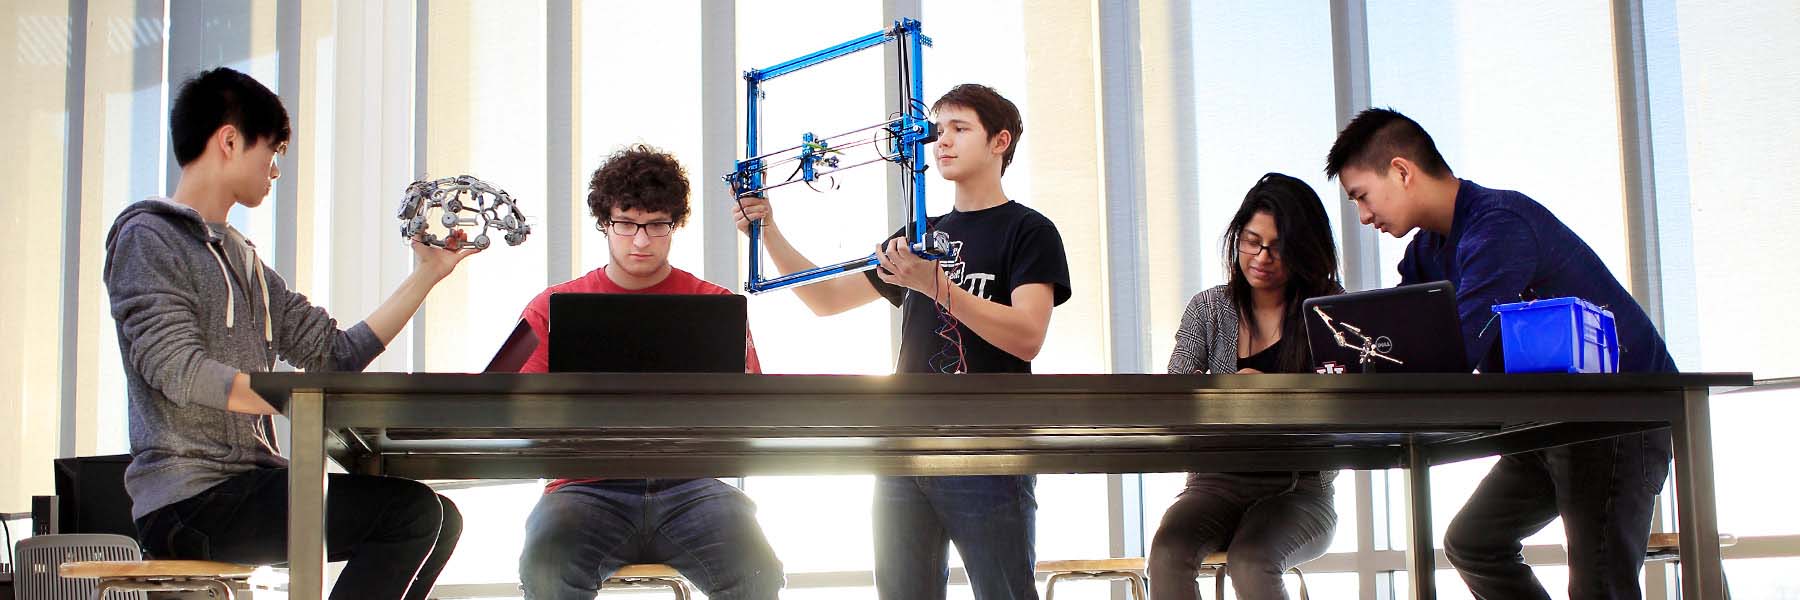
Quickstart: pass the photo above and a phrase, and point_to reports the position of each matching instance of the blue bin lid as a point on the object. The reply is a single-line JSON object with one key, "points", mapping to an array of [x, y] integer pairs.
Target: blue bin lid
{"points": [[1547, 303]]}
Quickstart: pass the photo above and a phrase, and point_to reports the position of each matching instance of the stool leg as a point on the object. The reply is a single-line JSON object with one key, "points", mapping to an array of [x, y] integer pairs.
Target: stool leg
{"points": [[1722, 578], [1138, 590], [1302, 576], [1219, 582], [1050, 585], [221, 590]]}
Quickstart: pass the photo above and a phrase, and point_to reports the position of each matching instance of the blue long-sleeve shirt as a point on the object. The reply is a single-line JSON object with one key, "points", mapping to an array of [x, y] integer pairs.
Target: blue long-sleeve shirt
{"points": [[1504, 246]]}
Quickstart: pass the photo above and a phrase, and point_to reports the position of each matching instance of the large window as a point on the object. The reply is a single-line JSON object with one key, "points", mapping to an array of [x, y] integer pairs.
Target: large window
{"points": [[1724, 102], [654, 102], [485, 116], [1521, 96], [1538, 117], [37, 35]]}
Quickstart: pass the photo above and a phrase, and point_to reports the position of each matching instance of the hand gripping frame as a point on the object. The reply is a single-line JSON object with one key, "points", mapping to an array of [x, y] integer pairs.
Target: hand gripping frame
{"points": [[490, 207], [906, 137]]}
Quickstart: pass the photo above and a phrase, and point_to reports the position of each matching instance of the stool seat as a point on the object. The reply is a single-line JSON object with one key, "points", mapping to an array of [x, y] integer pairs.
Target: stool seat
{"points": [[1088, 566], [646, 571], [1671, 542], [1104, 569], [154, 569], [1110, 564], [649, 576]]}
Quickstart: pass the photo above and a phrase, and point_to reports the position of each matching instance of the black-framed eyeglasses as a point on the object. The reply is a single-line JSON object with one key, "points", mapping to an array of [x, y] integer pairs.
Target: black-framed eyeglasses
{"points": [[630, 228], [1250, 248]]}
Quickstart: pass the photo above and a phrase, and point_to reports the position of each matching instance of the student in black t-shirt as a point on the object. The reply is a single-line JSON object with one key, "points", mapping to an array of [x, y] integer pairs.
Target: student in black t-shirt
{"points": [[985, 309]]}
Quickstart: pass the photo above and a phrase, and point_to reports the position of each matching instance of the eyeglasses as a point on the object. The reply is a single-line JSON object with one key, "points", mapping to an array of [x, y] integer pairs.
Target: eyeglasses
{"points": [[1250, 248], [630, 228]]}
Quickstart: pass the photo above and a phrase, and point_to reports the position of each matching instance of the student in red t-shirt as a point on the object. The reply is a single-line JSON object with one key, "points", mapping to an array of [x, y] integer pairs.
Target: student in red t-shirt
{"points": [[583, 530]]}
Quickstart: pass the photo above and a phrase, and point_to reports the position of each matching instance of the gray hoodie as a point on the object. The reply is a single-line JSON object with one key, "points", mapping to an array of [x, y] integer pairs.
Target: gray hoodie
{"points": [[195, 306]]}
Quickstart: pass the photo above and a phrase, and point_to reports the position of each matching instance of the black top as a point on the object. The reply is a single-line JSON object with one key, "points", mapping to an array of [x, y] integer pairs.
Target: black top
{"points": [[992, 252], [1267, 361]]}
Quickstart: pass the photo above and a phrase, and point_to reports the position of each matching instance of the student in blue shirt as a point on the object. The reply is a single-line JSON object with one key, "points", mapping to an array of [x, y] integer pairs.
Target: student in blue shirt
{"points": [[1499, 246]]}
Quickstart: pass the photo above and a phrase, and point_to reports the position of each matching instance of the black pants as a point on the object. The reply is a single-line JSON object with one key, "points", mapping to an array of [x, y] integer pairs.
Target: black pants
{"points": [[396, 533], [1604, 491]]}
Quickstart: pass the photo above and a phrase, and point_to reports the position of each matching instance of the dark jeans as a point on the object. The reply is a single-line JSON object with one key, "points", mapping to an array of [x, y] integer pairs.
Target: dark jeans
{"points": [[991, 519], [1269, 522], [396, 533], [580, 534], [1603, 490]]}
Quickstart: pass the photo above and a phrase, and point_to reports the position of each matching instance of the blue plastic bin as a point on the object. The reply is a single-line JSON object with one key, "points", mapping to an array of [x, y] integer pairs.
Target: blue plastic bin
{"points": [[1559, 335]]}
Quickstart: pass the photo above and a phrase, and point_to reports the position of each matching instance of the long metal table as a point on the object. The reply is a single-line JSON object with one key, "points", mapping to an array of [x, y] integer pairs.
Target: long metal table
{"points": [[452, 426]]}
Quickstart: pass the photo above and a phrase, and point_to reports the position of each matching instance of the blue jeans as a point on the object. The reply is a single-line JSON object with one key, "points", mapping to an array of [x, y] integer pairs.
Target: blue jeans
{"points": [[1604, 491], [580, 534], [991, 519]]}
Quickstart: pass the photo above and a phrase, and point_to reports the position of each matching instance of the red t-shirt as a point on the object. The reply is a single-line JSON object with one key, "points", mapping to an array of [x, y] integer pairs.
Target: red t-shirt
{"points": [[537, 314]]}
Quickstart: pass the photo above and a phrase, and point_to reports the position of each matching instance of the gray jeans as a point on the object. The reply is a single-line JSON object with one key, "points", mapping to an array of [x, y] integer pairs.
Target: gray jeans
{"points": [[1268, 522]]}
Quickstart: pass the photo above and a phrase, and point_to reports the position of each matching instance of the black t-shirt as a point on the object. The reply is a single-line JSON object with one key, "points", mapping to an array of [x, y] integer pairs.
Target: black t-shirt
{"points": [[993, 251]]}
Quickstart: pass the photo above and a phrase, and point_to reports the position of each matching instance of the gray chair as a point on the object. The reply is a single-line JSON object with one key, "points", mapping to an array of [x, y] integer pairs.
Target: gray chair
{"points": [[39, 560]]}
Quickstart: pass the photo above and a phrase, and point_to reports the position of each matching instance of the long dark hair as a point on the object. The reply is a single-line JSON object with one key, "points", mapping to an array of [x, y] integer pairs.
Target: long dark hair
{"points": [[1307, 252]]}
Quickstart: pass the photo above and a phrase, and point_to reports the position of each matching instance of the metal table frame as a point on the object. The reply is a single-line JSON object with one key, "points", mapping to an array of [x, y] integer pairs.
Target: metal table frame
{"points": [[451, 426]]}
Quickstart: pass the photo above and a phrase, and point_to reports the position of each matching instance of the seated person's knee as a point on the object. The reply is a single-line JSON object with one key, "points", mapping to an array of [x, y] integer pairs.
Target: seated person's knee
{"points": [[1174, 550], [451, 528]]}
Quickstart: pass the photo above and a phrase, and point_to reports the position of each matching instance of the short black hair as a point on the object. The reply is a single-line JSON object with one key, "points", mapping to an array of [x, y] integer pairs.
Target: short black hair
{"points": [[220, 97], [641, 177], [995, 112], [1376, 136]]}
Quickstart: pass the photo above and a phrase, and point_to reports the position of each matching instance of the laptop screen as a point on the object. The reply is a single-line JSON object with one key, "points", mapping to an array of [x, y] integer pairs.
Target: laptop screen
{"points": [[517, 349], [647, 333], [1407, 329]]}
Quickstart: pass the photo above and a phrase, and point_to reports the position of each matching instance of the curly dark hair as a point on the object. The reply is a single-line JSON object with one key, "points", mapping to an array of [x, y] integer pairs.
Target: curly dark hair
{"points": [[639, 177]]}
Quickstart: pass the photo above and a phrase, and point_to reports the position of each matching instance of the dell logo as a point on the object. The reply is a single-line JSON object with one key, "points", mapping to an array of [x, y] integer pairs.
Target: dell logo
{"points": [[1384, 344]]}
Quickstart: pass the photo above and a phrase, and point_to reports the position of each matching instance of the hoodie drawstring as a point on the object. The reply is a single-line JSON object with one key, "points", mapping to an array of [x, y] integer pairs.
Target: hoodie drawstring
{"points": [[230, 296], [262, 282]]}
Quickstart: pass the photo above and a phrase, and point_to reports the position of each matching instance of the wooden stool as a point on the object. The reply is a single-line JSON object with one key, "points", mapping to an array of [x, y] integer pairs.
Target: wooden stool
{"points": [[1132, 570], [1106, 569], [160, 576], [650, 576], [1666, 547], [1216, 563]]}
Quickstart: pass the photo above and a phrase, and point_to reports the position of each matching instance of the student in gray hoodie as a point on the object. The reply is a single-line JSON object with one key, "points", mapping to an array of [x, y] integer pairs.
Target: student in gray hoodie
{"points": [[197, 311]]}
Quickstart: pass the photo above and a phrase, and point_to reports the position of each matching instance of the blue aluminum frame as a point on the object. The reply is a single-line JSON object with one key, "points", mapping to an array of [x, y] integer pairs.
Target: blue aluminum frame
{"points": [[908, 136]]}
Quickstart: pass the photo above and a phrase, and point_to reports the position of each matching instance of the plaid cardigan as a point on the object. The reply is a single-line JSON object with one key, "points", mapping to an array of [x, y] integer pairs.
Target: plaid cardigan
{"points": [[1208, 339]]}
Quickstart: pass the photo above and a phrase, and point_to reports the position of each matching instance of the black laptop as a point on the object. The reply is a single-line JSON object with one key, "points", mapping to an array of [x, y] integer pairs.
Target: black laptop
{"points": [[647, 333], [1406, 329], [515, 352]]}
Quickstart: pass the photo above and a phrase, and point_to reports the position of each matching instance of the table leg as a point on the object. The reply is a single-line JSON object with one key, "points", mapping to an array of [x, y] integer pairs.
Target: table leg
{"points": [[1696, 509], [306, 496], [1421, 549]]}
